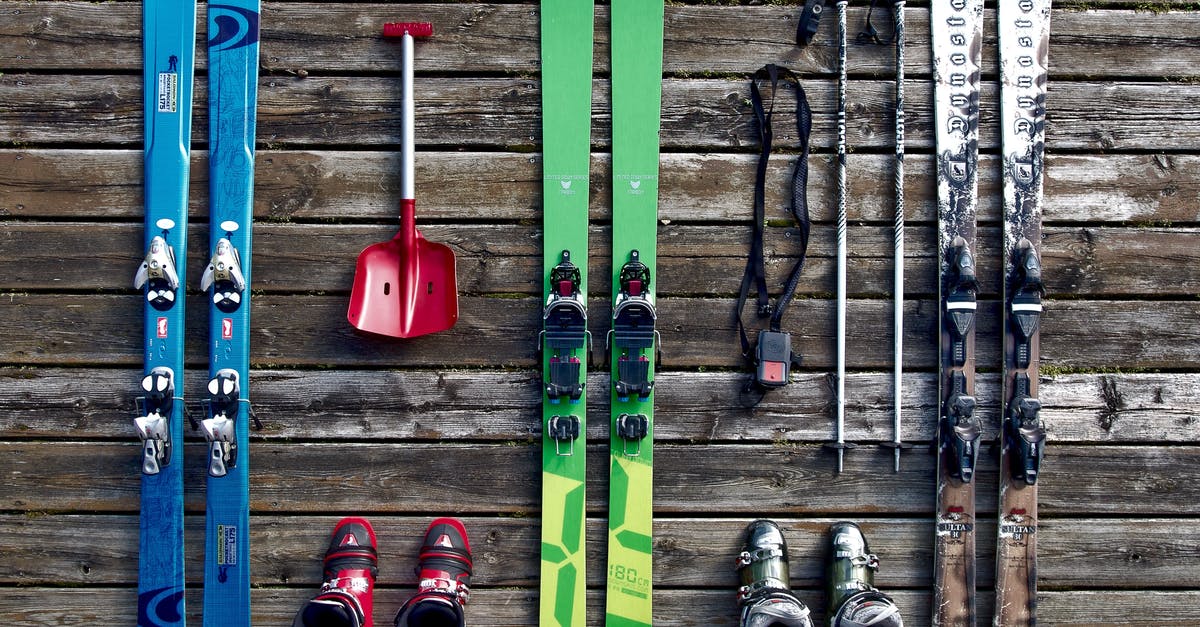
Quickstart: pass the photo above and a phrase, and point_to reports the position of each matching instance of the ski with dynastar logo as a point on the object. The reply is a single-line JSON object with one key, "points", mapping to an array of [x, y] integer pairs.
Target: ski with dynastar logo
{"points": [[957, 35], [232, 96], [1024, 28], [566, 49], [637, 53], [169, 31]]}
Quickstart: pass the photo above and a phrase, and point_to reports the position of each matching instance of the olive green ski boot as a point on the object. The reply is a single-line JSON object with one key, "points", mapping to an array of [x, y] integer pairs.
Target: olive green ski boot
{"points": [[765, 596], [853, 599]]}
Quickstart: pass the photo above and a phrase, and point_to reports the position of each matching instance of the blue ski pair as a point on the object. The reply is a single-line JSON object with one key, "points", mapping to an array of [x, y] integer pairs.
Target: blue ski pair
{"points": [[169, 58]]}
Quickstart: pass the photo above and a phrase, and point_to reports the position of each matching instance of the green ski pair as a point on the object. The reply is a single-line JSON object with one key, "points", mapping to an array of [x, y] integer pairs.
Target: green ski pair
{"points": [[637, 28]]}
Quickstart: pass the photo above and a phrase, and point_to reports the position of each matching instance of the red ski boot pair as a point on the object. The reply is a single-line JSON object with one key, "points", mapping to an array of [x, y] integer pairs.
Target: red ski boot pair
{"points": [[345, 599]]}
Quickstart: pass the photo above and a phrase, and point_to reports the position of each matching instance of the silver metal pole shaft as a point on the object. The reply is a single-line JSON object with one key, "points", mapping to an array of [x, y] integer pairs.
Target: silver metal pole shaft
{"points": [[407, 187]]}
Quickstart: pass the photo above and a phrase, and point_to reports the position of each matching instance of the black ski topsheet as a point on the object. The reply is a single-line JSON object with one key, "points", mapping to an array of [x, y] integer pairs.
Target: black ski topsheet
{"points": [[957, 35]]}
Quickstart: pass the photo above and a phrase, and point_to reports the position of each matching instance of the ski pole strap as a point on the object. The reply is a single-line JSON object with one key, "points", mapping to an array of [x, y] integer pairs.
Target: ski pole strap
{"points": [[869, 34], [755, 271]]}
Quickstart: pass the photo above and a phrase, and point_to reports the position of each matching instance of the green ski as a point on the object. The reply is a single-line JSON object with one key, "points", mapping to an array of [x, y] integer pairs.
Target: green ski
{"points": [[566, 149], [637, 53]]}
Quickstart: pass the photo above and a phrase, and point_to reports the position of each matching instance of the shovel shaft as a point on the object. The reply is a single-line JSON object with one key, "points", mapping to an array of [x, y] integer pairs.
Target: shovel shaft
{"points": [[406, 118], [405, 31], [410, 269], [408, 224]]}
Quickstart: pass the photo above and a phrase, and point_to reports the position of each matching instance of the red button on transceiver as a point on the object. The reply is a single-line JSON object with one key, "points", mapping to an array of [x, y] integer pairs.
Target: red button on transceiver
{"points": [[774, 358], [772, 372]]}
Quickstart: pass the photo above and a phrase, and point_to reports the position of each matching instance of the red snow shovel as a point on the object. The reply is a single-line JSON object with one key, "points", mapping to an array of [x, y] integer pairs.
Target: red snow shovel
{"points": [[405, 287]]}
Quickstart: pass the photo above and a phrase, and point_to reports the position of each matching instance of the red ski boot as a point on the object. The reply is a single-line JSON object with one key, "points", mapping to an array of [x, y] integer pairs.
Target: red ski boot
{"points": [[444, 571], [350, 572]]}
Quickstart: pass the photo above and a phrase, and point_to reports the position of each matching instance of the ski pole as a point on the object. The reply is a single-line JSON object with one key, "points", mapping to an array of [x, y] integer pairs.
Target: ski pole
{"points": [[898, 255], [870, 35], [841, 238]]}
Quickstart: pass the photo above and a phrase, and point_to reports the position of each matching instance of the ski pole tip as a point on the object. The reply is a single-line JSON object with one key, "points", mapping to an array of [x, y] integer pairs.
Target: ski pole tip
{"points": [[416, 29]]}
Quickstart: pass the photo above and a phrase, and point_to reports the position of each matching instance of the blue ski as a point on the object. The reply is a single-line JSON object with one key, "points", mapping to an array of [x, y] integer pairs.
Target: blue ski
{"points": [[168, 48], [232, 96]]}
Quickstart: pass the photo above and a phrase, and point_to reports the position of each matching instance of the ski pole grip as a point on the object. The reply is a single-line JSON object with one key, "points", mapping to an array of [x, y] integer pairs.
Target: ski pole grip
{"points": [[416, 29]]}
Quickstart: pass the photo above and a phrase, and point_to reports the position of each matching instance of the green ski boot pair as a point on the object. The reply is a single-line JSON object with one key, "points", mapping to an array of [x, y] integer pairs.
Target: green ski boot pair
{"points": [[766, 598]]}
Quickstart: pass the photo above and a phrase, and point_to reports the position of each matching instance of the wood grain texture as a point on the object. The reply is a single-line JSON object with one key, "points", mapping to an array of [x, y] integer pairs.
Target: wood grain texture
{"points": [[470, 405], [770, 479], [45, 607], [691, 552], [309, 330], [694, 259], [447, 425], [494, 37], [359, 186], [501, 112]]}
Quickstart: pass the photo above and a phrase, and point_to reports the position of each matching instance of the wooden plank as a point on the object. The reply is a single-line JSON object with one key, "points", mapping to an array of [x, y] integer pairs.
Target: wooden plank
{"points": [[310, 330], [462, 406], [689, 553], [474, 37], [1091, 607], [275, 606], [344, 186], [709, 114], [1164, 6], [780, 478], [360, 425], [694, 260]]}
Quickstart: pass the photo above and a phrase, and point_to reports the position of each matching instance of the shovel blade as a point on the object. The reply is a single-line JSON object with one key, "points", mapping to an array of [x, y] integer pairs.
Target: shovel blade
{"points": [[404, 291]]}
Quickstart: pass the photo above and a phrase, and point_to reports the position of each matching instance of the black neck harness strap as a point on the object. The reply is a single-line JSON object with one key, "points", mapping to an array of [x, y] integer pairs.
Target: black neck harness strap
{"points": [[773, 356]]}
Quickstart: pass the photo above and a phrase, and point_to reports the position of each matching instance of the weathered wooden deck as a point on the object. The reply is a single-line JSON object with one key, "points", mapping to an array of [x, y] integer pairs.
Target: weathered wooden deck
{"points": [[448, 424]]}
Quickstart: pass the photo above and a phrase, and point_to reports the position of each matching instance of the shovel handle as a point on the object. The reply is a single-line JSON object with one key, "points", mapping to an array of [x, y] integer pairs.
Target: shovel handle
{"points": [[416, 29], [405, 31]]}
